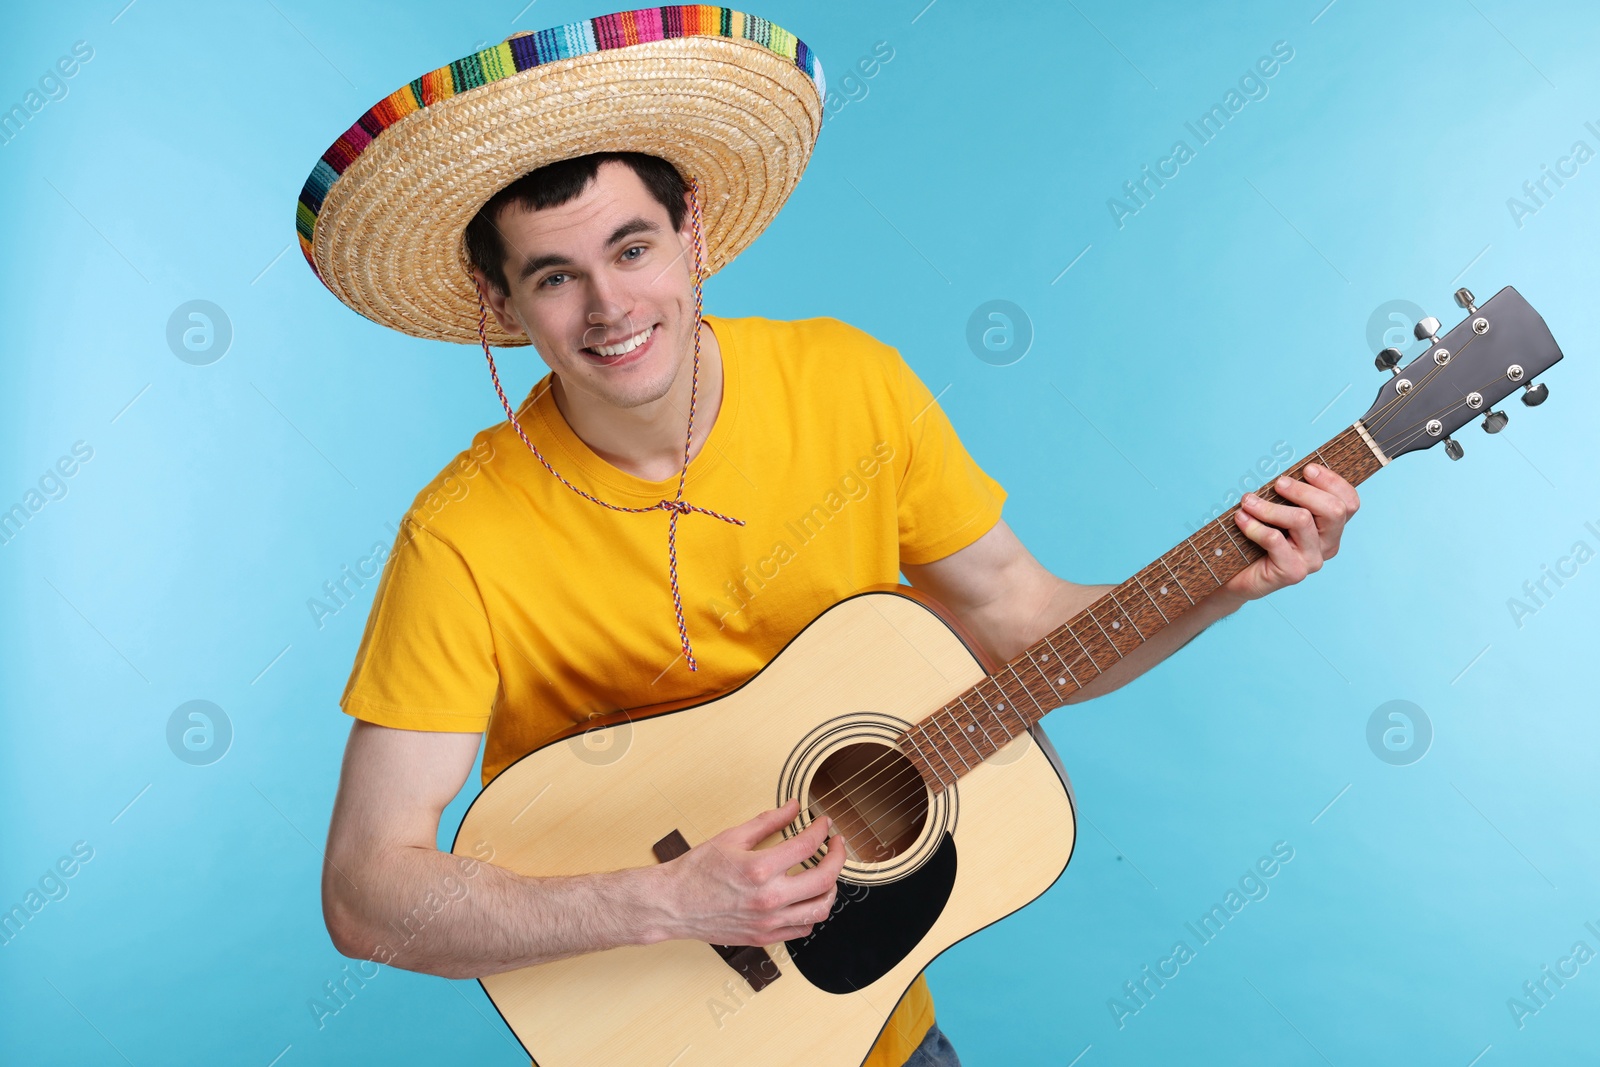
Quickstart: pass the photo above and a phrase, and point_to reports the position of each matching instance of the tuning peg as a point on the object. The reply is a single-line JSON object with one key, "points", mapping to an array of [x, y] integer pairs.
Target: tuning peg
{"points": [[1464, 299], [1534, 395], [1495, 421], [1389, 360], [1452, 448], [1426, 329]]}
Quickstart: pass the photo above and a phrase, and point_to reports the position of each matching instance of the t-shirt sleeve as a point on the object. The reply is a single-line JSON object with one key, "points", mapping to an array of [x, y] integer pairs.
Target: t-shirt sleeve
{"points": [[945, 501], [426, 660]]}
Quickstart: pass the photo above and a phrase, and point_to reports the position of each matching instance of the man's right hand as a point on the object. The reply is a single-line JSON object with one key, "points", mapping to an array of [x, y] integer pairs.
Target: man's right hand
{"points": [[725, 891]]}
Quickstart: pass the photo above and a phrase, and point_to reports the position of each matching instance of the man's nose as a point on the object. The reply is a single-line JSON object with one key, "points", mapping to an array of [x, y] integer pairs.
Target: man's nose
{"points": [[606, 312]]}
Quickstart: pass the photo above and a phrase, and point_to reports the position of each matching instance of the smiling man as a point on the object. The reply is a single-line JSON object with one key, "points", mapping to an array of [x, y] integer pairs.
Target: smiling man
{"points": [[787, 466], [585, 260]]}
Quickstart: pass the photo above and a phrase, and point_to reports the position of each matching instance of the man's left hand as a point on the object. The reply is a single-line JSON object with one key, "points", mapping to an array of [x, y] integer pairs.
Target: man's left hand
{"points": [[1299, 536]]}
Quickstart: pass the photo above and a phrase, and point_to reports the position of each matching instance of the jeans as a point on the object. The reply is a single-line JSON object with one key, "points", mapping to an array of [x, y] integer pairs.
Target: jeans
{"points": [[935, 1051]]}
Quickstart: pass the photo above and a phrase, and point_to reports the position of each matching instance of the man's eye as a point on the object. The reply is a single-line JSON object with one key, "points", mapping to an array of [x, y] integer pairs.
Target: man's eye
{"points": [[546, 283], [635, 248]]}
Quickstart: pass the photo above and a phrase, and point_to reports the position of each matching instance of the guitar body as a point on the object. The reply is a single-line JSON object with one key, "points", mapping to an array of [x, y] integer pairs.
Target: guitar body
{"points": [[817, 721]]}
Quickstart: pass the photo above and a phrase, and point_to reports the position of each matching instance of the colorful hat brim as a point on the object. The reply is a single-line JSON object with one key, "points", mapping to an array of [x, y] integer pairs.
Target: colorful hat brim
{"points": [[726, 97]]}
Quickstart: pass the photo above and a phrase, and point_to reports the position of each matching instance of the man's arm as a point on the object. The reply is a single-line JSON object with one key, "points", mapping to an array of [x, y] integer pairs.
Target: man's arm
{"points": [[389, 894], [1009, 601]]}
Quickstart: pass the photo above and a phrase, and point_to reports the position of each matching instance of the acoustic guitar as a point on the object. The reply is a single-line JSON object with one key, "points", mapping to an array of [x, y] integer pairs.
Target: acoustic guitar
{"points": [[883, 715]]}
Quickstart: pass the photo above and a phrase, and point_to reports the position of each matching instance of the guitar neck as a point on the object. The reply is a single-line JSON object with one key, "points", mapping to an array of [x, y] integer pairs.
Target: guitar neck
{"points": [[983, 719]]}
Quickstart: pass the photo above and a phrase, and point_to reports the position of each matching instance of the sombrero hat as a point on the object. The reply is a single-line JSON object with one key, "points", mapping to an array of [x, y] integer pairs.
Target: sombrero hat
{"points": [[728, 98]]}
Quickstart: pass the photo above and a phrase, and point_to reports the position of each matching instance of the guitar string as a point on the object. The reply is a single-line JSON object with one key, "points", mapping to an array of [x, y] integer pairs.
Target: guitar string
{"points": [[1421, 426], [1383, 417], [1429, 377], [1342, 452], [914, 779], [874, 768]]}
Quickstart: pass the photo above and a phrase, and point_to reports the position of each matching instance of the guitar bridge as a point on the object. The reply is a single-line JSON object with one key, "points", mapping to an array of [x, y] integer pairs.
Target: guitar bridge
{"points": [[752, 962]]}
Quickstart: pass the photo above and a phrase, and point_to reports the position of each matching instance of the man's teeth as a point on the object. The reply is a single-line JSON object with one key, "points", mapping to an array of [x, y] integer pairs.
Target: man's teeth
{"points": [[627, 346]]}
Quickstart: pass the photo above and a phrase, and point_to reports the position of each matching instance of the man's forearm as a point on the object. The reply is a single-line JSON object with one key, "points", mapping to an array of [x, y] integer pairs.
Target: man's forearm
{"points": [[1066, 600], [457, 917]]}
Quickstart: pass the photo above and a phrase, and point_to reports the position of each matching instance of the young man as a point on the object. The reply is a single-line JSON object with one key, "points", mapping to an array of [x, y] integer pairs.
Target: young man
{"points": [[797, 462]]}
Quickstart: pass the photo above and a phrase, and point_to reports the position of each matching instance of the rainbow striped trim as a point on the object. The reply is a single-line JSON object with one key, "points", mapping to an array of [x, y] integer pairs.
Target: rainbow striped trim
{"points": [[507, 58]]}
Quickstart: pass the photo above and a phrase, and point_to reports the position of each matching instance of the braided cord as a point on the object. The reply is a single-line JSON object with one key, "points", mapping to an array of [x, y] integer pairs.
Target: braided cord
{"points": [[677, 505]]}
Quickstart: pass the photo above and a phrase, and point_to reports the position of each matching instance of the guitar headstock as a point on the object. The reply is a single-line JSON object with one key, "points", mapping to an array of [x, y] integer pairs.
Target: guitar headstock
{"points": [[1496, 350]]}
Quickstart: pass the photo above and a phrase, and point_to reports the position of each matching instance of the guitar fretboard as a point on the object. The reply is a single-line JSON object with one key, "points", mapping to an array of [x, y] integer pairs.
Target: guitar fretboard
{"points": [[980, 721]]}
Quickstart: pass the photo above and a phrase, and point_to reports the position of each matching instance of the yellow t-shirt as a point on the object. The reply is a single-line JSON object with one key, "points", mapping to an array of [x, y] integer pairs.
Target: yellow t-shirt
{"points": [[511, 604]]}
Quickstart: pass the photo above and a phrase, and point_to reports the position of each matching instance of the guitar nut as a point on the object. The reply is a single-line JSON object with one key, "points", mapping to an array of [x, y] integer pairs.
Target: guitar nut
{"points": [[1480, 326]]}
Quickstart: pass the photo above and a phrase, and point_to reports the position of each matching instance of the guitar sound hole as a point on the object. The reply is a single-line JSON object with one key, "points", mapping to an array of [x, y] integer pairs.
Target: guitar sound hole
{"points": [[875, 797]]}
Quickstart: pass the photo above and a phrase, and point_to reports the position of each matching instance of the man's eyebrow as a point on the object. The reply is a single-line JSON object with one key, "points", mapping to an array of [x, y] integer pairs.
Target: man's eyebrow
{"points": [[637, 224]]}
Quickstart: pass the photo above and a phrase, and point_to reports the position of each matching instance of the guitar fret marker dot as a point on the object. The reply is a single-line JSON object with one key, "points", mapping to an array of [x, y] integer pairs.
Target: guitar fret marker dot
{"points": [[1061, 681], [1163, 590], [1116, 625], [1216, 551]]}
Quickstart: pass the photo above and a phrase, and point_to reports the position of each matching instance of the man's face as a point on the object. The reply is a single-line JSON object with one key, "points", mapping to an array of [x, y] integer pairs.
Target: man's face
{"points": [[601, 270]]}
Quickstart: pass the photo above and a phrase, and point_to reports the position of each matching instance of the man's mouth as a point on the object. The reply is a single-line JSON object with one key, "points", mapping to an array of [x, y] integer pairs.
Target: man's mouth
{"points": [[620, 348]]}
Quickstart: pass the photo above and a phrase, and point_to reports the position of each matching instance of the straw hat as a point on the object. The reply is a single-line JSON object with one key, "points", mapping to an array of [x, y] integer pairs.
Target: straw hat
{"points": [[726, 97]]}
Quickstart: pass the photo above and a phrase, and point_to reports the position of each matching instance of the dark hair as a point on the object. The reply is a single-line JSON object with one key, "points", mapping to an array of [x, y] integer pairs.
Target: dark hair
{"points": [[555, 184]]}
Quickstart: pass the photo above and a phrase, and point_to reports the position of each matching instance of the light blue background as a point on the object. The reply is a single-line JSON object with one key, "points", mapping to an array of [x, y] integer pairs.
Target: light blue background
{"points": [[1230, 314]]}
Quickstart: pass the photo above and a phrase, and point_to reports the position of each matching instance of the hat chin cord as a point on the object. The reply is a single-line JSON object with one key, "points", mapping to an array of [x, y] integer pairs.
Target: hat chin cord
{"points": [[677, 505]]}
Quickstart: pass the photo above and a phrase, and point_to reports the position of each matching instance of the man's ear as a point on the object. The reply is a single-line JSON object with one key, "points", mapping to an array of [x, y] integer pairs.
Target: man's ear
{"points": [[499, 303]]}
